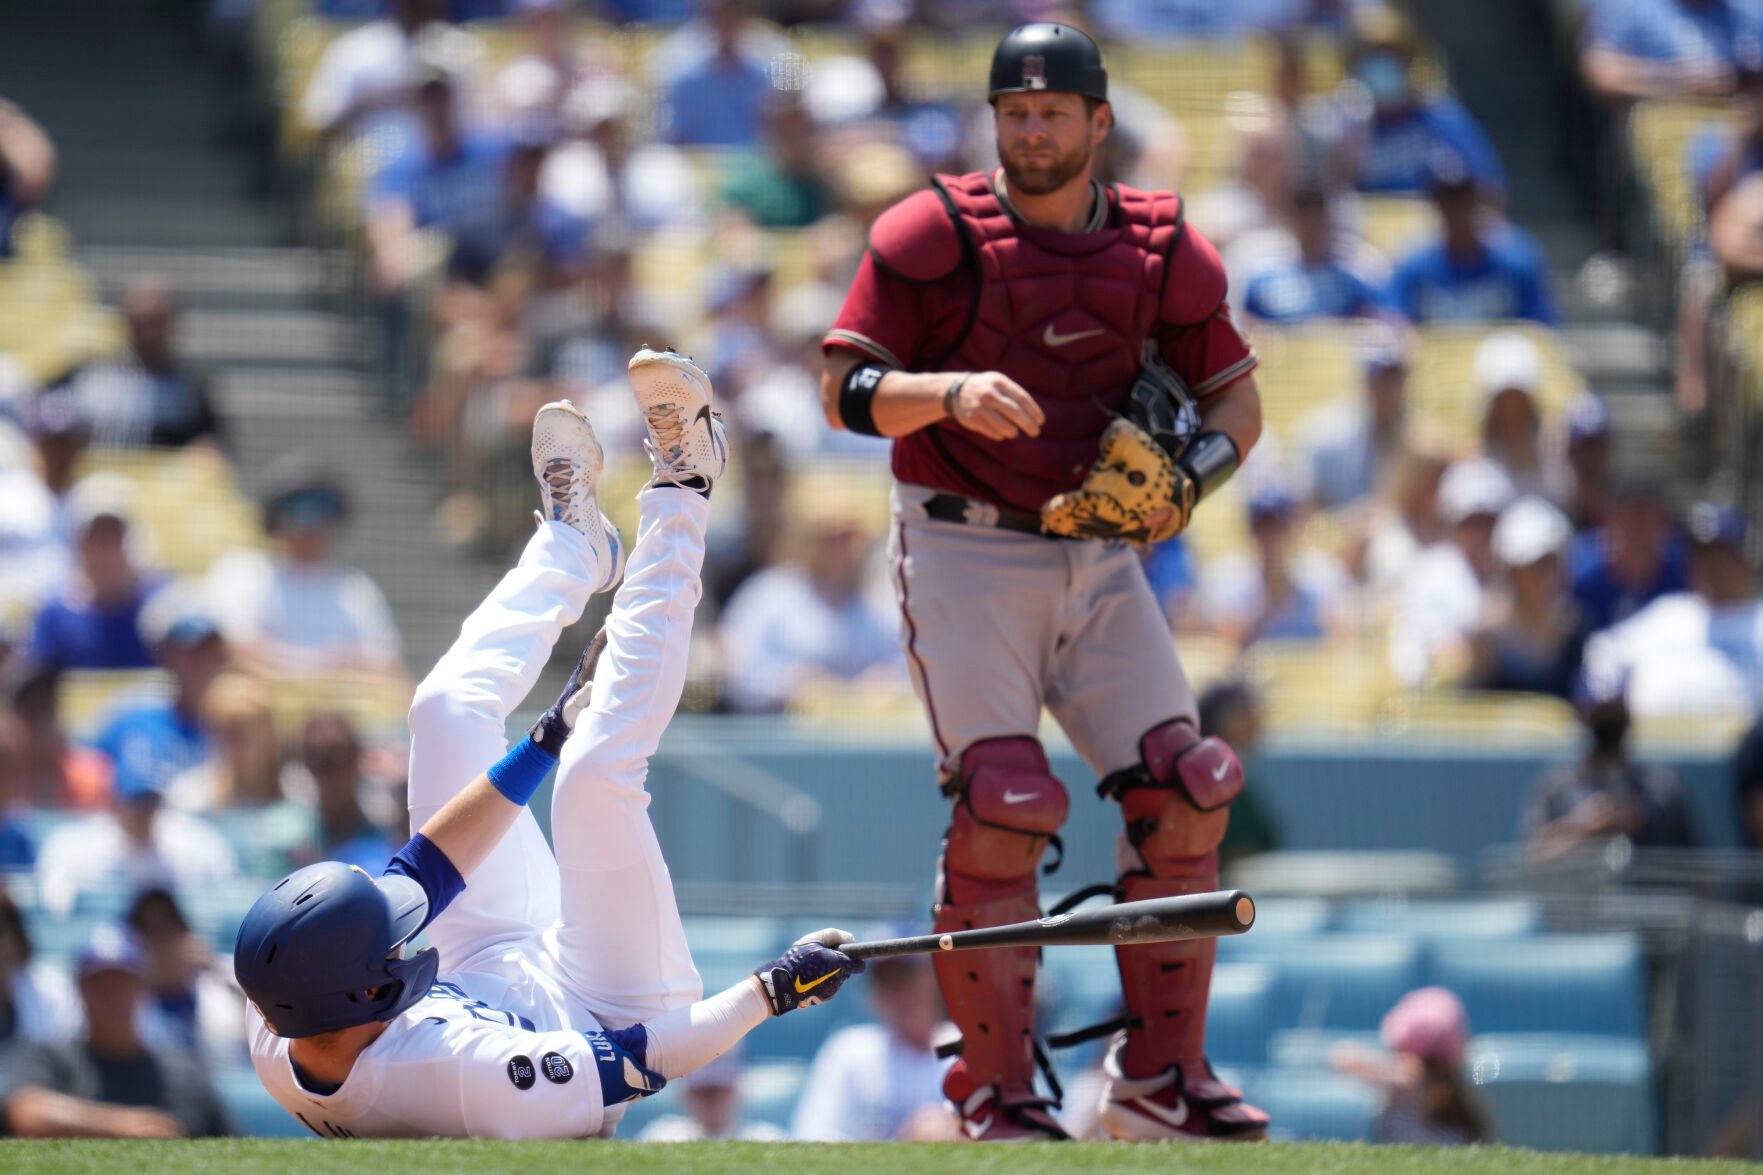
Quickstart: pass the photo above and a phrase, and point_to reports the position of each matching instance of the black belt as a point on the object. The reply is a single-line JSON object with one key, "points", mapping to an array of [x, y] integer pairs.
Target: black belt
{"points": [[955, 508]]}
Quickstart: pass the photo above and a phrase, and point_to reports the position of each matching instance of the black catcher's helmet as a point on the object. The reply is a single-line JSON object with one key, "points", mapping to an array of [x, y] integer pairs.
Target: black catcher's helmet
{"points": [[1048, 57]]}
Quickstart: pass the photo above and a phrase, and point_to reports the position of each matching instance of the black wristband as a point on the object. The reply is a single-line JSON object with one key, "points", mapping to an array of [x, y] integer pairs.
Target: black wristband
{"points": [[1209, 460], [857, 397]]}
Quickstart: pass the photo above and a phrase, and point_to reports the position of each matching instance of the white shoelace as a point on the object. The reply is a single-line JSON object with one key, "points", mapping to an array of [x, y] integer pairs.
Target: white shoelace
{"points": [[668, 425], [561, 483]]}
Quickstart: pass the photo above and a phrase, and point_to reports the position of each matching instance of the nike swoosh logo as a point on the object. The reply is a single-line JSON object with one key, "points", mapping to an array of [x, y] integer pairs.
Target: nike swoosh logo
{"points": [[1219, 772], [1174, 1117], [710, 425], [1053, 339], [1011, 797], [806, 987]]}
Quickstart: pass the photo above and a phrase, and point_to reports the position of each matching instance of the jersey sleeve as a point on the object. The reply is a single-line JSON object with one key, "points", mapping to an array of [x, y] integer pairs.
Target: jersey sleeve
{"points": [[503, 1083], [882, 318], [1197, 334]]}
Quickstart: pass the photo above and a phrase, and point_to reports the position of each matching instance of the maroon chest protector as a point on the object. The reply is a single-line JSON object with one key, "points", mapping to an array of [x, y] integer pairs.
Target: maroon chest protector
{"points": [[1066, 315]]}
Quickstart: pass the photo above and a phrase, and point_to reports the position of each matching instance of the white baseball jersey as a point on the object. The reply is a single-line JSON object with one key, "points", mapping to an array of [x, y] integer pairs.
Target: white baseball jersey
{"points": [[539, 950], [522, 1063]]}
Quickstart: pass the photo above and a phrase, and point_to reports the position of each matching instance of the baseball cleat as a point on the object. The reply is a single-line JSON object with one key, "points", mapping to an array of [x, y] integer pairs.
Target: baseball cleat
{"points": [[567, 461], [1179, 1103], [991, 1113], [686, 439]]}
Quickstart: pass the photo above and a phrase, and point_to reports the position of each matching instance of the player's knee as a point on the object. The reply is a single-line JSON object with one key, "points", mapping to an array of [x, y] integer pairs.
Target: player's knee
{"points": [[1008, 806], [441, 703], [1176, 799]]}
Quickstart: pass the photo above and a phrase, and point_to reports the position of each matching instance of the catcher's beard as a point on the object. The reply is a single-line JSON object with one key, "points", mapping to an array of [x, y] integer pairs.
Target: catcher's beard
{"points": [[1042, 179]]}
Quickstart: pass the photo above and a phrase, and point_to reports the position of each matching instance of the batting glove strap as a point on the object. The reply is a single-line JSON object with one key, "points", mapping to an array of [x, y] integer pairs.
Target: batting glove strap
{"points": [[807, 974]]}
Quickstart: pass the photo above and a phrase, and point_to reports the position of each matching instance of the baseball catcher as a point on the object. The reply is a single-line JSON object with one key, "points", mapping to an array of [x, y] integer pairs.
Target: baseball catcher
{"points": [[1055, 362]]}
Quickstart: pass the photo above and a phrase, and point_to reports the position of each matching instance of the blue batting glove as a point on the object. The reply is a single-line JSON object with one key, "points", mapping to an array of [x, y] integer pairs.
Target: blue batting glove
{"points": [[809, 973], [553, 728]]}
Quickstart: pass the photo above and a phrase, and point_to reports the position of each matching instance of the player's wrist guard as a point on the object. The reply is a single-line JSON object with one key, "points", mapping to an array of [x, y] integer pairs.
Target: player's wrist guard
{"points": [[1208, 461], [808, 973], [857, 397]]}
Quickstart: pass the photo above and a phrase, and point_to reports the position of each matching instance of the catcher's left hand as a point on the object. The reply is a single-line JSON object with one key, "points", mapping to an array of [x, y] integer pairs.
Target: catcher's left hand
{"points": [[1134, 491], [809, 973]]}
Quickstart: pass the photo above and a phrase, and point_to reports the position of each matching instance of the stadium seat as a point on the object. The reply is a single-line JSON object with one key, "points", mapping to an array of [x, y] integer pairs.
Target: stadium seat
{"points": [[1310, 1048], [1292, 915], [1443, 919], [1238, 1012], [1568, 1092], [1344, 874], [1591, 983], [1332, 980], [1313, 1103]]}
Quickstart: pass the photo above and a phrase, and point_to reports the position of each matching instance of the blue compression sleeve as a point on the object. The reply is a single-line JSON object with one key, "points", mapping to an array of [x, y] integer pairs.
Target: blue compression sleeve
{"points": [[423, 862], [520, 772]]}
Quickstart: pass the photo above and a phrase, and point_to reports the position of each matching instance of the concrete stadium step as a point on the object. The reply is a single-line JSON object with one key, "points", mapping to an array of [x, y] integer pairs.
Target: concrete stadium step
{"points": [[276, 337], [239, 278], [214, 220]]}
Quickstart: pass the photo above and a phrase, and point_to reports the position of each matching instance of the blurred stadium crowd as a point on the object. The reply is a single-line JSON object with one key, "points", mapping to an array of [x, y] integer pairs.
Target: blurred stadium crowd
{"points": [[1442, 516]]}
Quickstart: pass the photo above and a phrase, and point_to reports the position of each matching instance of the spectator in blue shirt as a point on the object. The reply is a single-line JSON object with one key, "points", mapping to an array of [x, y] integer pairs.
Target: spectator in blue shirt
{"points": [[1635, 557], [159, 740], [450, 180], [1317, 279], [523, 220], [1670, 48], [1406, 127], [27, 168], [719, 100], [93, 623], [1481, 269]]}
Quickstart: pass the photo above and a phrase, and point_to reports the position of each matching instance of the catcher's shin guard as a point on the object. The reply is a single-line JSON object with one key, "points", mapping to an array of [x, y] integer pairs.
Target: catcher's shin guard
{"points": [[1008, 806], [1176, 805]]}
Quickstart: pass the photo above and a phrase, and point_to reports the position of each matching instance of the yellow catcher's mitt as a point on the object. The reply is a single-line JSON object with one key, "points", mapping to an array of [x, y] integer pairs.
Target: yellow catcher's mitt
{"points": [[1134, 491]]}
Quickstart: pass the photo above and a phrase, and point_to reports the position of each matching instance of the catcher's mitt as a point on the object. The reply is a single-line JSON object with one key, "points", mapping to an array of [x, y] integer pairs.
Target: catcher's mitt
{"points": [[1134, 491]]}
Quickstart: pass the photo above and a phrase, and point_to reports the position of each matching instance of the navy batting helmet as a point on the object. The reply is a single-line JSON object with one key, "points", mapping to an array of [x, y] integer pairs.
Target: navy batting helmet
{"points": [[1048, 57], [322, 950]]}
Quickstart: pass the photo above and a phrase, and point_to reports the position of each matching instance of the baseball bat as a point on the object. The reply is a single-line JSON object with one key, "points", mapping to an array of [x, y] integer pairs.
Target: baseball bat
{"points": [[1172, 919]]}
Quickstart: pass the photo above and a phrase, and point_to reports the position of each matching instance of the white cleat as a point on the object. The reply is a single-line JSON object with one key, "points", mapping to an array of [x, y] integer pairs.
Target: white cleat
{"points": [[567, 461], [686, 438]]}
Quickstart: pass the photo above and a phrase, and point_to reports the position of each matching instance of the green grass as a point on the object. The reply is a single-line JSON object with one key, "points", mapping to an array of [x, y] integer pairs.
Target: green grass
{"points": [[315, 1157]]}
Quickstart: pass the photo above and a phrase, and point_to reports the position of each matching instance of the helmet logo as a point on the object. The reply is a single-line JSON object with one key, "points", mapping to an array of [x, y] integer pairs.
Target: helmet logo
{"points": [[1034, 72]]}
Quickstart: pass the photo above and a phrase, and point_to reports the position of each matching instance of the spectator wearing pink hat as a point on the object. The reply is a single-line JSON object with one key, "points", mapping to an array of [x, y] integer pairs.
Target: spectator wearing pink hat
{"points": [[1426, 1099]]}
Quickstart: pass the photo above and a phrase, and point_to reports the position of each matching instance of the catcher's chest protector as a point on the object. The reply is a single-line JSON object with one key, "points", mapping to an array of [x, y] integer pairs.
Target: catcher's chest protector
{"points": [[1066, 315]]}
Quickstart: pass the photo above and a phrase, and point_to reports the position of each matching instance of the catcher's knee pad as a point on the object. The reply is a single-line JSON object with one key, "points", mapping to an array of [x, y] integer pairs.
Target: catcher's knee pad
{"points": [[1008, 806], [1176, 804]]}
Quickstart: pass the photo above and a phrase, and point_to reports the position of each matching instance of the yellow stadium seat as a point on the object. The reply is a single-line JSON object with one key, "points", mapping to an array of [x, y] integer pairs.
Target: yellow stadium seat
{"points": [[87, 697], [1442, 388], [1396, 224], [1478, 719], [299, 45], [376, 703], [1660, 135], [1319, 687], [190, 508]]}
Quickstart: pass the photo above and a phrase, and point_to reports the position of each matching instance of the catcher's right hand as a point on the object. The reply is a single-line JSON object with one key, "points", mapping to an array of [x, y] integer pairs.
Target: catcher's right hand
{"points": [[809, 973], [1134, 491]]}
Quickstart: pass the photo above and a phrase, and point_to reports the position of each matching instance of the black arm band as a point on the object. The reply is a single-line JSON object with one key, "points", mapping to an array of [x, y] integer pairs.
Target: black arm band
{"points": [[857, 397], [1209, 460]]}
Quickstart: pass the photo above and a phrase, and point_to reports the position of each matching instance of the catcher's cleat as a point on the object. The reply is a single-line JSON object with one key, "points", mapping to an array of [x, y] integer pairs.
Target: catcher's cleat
{"points": [[567, 461], [1182, 1102], [991, 1113], [686, 440]]}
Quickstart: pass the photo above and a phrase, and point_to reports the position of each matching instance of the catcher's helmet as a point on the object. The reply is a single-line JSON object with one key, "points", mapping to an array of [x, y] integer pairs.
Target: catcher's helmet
{"points": [[1048, 57], [313, 948]]}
